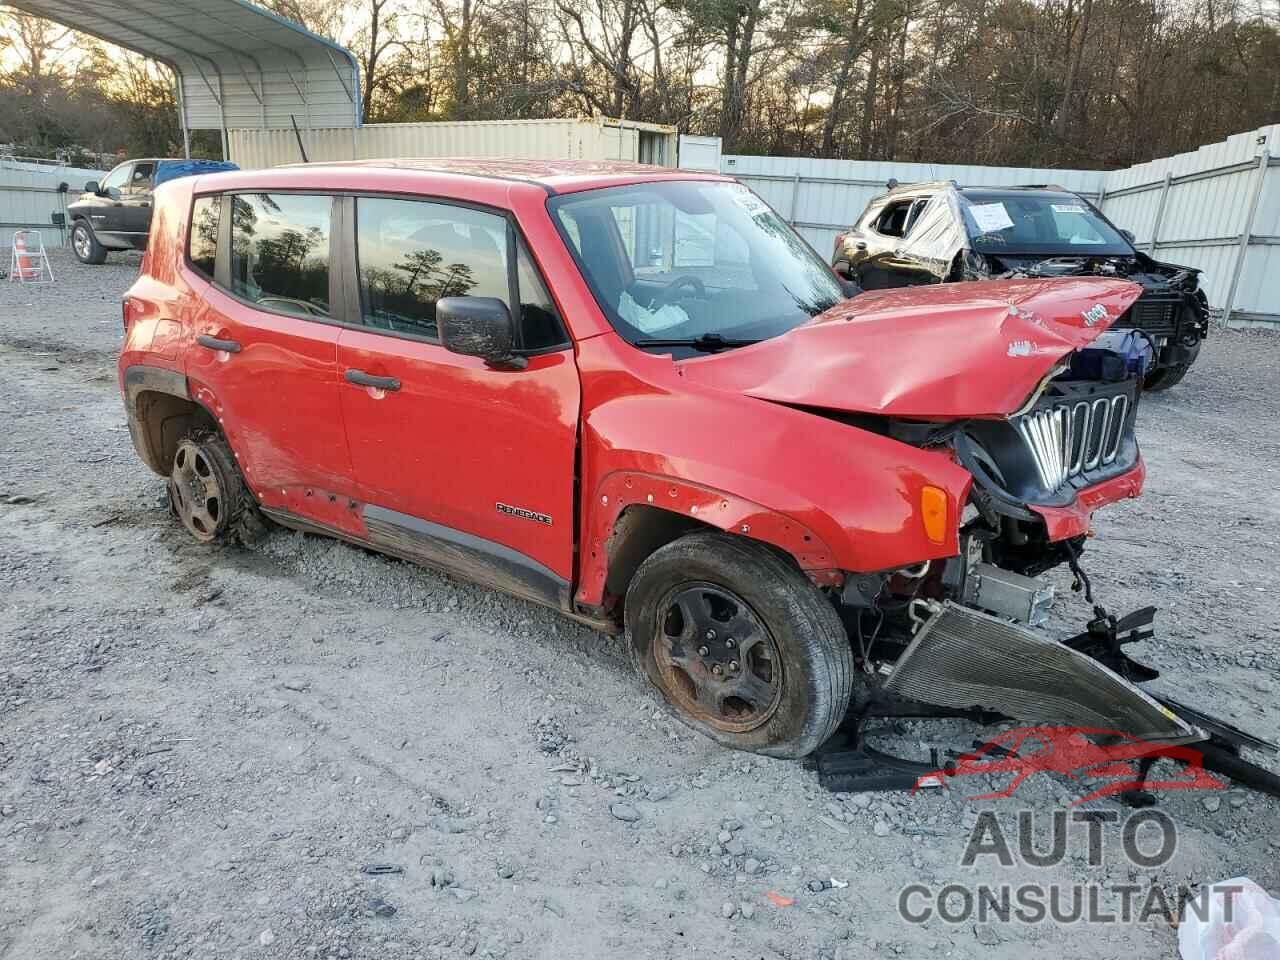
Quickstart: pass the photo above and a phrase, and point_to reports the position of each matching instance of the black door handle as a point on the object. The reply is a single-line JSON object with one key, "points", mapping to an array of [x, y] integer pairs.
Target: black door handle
{"points": [[213, 343], [362, 379]]}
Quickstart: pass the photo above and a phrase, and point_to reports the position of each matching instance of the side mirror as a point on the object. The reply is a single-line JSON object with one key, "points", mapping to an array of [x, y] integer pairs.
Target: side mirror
{"points": [[478, 327], [92, 187], [1128, 235]]}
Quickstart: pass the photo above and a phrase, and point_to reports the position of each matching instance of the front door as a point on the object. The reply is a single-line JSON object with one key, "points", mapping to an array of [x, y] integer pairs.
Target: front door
{"points": [[265, 360], [461, 465], [107, 215], [135, 214]]}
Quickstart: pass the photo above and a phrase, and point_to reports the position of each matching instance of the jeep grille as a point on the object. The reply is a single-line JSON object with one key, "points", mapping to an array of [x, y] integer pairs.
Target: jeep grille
{"points": [[1068, 439]]}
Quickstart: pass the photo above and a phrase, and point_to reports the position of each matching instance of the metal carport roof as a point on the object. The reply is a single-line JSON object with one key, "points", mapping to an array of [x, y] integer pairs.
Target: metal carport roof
{"points": [[237, 65]]}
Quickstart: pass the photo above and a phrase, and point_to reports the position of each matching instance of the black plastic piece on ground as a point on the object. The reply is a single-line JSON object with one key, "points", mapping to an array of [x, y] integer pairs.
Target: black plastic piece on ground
{"points": [[865, 770]]}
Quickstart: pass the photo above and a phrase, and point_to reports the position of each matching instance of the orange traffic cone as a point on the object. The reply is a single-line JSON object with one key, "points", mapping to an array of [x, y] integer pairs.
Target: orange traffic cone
{"points": [[25, 268], [28, 261]]}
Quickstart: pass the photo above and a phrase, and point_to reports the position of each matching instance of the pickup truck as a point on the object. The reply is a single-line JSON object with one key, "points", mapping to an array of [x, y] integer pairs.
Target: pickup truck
{"points": [[638, 397], [116, 213]]}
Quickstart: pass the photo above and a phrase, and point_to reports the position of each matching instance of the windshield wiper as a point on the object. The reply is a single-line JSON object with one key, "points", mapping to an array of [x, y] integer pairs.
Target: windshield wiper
{"points": [[707, 342]]}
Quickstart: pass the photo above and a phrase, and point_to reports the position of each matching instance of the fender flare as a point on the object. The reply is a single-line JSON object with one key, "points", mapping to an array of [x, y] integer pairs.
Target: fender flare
{"points": [[138, 379], [732, 514]]}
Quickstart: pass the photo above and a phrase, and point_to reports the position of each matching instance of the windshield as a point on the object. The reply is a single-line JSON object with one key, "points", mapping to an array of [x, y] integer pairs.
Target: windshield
{"points": [[679, 260], [1059, 224]]}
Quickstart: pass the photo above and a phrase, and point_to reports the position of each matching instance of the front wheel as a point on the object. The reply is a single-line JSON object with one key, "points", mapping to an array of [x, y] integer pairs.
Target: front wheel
{"points": [[86, 246], [1165, 377], [741, 644]]}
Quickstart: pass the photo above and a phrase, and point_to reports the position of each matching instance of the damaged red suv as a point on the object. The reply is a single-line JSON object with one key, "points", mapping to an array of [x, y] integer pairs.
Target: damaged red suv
{"points": [[636, 396]]}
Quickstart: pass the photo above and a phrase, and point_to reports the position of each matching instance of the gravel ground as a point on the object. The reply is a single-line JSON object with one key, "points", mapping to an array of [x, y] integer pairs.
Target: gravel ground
{"points": [[203, 750]]}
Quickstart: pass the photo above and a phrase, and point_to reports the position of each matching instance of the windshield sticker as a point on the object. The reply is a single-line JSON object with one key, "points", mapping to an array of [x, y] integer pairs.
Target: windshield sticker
{"points": [[990, 217], [1068, 208], [650, 321]]}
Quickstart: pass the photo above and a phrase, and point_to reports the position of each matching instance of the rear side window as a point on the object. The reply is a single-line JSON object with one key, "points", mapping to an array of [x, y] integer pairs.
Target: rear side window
{"points": [[202, 241], [411, 253], [280, 251], [143, 173]]}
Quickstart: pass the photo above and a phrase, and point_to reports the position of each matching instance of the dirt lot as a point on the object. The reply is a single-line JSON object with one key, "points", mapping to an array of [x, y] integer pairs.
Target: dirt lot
{"points": [[201, 748]]}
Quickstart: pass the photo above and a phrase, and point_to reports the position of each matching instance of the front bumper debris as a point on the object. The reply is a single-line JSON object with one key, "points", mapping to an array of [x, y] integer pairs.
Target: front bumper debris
{"points": [[962, 658], [962, 663]]}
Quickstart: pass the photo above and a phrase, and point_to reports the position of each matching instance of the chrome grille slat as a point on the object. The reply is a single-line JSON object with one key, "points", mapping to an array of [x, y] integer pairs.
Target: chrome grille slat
{"points": [[1068, 439]]}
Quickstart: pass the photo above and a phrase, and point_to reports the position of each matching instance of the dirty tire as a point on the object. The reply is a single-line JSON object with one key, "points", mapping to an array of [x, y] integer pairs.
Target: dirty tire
{"points": [[812, 649], [208, 495], [85, 245], [1170, 376]]}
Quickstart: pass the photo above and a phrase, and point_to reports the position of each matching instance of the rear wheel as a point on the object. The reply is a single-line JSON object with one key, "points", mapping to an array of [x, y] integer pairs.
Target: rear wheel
{"points": [[86, 246], [207, 493], [741, 644], [1166, 377]]}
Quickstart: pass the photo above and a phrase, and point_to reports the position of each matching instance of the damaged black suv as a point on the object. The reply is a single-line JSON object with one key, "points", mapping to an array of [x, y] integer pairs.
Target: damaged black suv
{"points": [[942, 232]]}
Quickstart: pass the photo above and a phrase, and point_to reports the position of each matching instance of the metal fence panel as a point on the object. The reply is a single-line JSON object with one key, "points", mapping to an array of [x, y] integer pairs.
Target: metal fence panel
{"points": [[581, 139], [29, 196]]}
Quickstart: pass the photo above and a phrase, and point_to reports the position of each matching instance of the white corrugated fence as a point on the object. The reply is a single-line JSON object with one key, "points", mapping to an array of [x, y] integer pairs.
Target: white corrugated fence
{"points": [[1216, 208], [30, 196], [588, 138]]}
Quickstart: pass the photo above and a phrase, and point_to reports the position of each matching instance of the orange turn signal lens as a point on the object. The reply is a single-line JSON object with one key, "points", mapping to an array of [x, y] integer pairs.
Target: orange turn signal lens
{"points": [[933, 511]]}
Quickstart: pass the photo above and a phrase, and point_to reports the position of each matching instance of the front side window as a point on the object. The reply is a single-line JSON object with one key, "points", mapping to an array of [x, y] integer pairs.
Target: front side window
{"points": [[1029, 223], [539, 319], [688, 259], [202, 241], [411, 253], [117, 178], [280, 251]]}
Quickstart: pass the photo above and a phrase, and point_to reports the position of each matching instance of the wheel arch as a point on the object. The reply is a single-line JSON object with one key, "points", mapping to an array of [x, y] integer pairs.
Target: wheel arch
{"points": [[634, 514], [161, 411]]}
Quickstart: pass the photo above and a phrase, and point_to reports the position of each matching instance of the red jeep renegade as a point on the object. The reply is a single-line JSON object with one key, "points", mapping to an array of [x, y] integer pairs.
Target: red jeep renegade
{"points": [[636, 396]]}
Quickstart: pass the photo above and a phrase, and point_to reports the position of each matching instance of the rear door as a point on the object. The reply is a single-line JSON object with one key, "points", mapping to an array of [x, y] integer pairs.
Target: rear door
{"points": [[462, 465], [265, 357]]}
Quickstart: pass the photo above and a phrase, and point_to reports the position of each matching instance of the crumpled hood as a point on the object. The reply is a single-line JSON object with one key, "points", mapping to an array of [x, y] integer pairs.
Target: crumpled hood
{"points": [[942, 352]]}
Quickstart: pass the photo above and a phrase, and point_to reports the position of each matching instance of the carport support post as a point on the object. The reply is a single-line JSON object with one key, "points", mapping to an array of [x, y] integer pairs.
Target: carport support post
{"points": [[182, 116], [795, 196], [1246, 235]]}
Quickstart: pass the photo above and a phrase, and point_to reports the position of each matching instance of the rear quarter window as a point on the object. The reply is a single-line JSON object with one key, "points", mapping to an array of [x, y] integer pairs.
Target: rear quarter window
{"points": [[202, 238]]}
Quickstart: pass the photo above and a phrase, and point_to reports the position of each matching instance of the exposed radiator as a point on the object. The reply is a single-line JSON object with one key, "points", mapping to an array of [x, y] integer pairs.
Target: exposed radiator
{"points": [[1156, 317]]}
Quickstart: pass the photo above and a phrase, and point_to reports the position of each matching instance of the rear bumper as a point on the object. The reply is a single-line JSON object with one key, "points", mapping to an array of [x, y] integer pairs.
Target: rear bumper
{"points": [[1062, 523]]}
